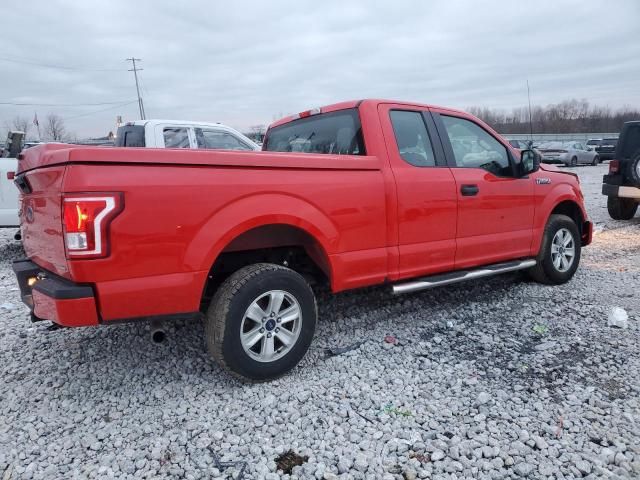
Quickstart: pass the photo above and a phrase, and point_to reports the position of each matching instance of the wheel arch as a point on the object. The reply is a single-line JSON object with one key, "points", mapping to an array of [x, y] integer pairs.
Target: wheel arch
{"points": [[268, 227]]}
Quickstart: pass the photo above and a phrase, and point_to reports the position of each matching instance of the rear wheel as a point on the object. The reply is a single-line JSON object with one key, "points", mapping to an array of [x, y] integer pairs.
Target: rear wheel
{"points": [[261, 322], [573, 162], [596, 160], [559, 254], [621, 208]]}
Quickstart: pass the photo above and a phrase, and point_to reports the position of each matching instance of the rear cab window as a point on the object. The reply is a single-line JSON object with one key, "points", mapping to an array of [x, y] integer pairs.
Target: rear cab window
{"points": [[337, 133], [130, 136]]}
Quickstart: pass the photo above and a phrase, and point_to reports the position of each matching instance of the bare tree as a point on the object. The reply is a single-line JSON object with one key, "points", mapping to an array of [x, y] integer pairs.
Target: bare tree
{"points": [[21, 124], [258, 131], [54, 129], [568, 116]]}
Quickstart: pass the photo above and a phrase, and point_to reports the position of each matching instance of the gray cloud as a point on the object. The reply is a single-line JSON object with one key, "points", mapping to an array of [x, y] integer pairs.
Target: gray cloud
{"points": [[244, 63]]}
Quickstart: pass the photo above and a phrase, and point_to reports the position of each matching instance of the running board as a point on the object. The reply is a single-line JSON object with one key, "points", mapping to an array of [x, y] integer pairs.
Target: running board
{"points": [[461, 275]]}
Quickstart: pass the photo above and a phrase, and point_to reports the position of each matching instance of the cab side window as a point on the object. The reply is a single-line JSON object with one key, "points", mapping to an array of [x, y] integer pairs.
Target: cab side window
{"points": [[474, 147], [414, 144], [176, 137], [219, 140]]}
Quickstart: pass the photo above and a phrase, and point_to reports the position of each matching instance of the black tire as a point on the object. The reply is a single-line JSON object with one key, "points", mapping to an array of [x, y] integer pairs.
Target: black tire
{"points": [[596, 161], [573, 162], [227, 311], [621, 208], [545, 271], [633, 169]]}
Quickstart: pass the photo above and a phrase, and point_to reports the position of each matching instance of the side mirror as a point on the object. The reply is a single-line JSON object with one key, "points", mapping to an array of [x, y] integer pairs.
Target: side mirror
{"points": [[529, 162]]}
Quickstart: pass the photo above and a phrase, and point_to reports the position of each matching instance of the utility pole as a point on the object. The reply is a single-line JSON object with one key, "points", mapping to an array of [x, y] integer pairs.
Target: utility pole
{"points": [[135, 71], [530, 121]]}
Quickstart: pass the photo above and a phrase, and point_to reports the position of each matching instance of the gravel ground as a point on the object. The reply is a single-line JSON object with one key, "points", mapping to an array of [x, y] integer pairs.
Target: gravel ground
{"points": [[494, 379]]}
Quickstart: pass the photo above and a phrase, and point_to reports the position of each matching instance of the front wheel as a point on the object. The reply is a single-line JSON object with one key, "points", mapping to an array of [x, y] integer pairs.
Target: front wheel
{"points": [[559, 254], [621, 208], [261, 322]]}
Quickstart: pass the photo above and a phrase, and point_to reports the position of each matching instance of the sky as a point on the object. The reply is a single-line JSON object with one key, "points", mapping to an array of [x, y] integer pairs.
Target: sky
{"points": [[246, 63]]}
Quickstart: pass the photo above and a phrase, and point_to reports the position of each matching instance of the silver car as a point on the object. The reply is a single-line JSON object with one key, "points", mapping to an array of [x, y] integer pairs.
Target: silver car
{"points": [[568, 153]]}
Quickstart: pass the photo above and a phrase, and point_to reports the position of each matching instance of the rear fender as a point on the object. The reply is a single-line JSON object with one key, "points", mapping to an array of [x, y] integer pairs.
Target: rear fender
{"points": [[247, 213]]}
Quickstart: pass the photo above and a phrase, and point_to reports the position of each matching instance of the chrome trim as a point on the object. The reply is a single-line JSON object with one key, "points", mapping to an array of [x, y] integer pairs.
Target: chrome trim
{"points": [[464, 275]]}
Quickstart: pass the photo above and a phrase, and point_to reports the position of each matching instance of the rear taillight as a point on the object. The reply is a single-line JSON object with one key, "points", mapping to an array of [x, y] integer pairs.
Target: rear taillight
{"points": [[614, 166], [86, 223]]}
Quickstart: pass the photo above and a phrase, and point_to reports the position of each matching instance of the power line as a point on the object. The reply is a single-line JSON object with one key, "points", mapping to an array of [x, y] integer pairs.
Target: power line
{"points": [[64, 104], [60, 67], [101, 110], [135, 74]]}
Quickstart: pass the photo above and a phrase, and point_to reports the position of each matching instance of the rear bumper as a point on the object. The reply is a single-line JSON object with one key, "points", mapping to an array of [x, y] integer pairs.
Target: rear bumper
{"points": [[53, 298], [620, 191]]}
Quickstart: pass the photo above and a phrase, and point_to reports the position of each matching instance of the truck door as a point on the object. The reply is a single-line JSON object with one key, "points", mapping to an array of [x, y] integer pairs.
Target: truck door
{"points": [[426, 193], [495, 207]]}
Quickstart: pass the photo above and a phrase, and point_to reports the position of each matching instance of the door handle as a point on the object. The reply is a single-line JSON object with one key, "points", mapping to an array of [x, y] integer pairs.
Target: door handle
{"points": [[469, 190]]}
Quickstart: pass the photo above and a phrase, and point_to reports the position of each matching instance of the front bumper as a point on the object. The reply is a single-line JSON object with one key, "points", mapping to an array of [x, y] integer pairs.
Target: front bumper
{"points": [[54, 298]]}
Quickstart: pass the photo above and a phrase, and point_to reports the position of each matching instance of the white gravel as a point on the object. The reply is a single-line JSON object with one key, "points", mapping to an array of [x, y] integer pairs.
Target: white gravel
{"points": [[495, 379]]}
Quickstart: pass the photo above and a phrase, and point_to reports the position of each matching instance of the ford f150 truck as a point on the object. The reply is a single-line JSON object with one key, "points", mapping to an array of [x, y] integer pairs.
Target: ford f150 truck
{"points": [[353, 194]]}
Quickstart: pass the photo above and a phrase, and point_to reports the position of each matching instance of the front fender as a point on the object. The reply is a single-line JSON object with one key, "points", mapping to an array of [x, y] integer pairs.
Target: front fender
{"points": [[547, 200], [244, 214]]}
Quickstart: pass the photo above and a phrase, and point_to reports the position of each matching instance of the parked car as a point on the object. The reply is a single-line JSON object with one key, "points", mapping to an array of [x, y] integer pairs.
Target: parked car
{"points": [[350, 195], [622, 184], [181, 134], [607, 148], [592, 143], [568, 153]]}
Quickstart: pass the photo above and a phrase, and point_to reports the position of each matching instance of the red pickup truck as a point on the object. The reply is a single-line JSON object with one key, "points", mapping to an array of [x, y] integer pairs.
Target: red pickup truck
{"points": [[352, 194]]}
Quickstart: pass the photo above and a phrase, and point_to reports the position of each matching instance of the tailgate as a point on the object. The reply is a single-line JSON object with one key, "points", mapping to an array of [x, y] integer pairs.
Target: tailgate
{"points": [[41, 218]]}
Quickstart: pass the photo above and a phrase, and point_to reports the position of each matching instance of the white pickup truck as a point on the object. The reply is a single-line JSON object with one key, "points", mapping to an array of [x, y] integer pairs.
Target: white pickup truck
{"points": [[141, 133], [8, 191], [182, 134]]}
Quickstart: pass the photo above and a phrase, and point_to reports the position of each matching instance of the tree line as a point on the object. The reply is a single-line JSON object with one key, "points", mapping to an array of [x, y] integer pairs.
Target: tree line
{"points": [[568, 116], [50, 129]]}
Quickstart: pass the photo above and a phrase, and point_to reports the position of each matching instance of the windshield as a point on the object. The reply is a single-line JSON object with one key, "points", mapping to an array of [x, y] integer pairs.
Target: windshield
{"points": [[337, 133]]}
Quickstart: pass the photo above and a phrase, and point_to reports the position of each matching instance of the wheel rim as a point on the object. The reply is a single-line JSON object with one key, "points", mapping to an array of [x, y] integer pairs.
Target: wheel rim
{"points": [[271, 326], [563, 250]]}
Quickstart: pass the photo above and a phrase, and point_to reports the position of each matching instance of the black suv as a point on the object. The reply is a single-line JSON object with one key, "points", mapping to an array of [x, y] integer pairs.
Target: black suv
{"points": [[622, 184], [607, 148]]}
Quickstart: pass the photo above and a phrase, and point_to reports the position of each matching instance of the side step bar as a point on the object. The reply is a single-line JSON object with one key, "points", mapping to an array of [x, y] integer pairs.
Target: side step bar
{"points": [[461, 275]]}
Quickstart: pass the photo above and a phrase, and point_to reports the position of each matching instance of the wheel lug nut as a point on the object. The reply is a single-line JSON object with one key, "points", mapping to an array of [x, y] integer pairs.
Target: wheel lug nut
{"points": [[277, 330], [279, 320], [273, 314], [262, 330], [269, 335]]}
